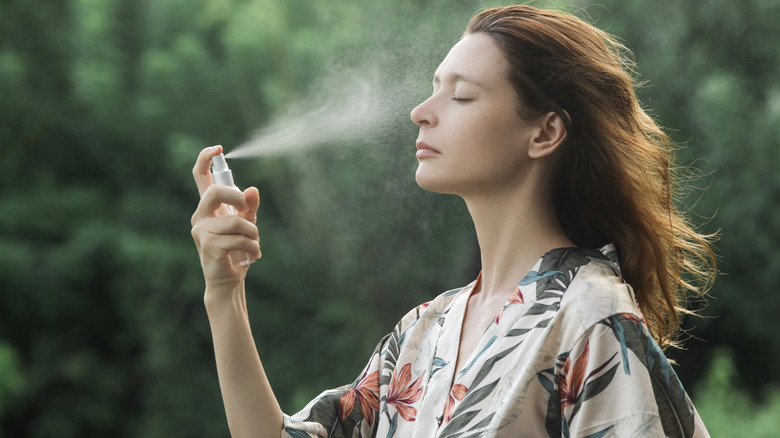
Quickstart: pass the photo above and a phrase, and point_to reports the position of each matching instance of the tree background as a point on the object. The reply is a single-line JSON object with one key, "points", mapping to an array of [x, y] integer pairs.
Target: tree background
{"points": [[104, 105]]}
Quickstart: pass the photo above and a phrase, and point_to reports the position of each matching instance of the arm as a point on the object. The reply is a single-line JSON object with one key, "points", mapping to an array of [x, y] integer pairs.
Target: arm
{"points": [[250, 405]]}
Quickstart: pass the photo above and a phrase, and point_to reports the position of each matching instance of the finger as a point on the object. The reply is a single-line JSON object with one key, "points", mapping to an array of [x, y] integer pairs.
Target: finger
{"points": [[252, 196], [216, 237], [219, 246], [226, 225], [201, 172], [213, 198]]}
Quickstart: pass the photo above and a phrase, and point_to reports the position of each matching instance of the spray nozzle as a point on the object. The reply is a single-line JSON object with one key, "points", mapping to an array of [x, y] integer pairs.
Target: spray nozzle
{"points": [[220, 171], [219, 163]]}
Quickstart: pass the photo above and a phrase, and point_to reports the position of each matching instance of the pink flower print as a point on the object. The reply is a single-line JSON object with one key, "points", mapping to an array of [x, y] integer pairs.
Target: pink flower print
{"points": [[457, 393], [402, 395], [516, 298], [367, 393]]}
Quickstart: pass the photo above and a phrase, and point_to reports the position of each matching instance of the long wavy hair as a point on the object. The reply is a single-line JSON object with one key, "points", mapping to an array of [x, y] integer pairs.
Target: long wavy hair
{"points": [[617, 181]]}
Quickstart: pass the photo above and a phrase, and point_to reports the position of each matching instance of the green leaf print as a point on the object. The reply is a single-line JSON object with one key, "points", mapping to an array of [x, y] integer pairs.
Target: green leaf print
{"points": [[393, 426], [676, 412], [390, 355], [539, 308], [488, 366], [297, 433], [476, 358], [536, 276], [552, 421], [474, 431], [325, 412], [547, 382], [474, 397], [460, 418], [454, 427], [593, 388], [600, 433], [564, 260]]}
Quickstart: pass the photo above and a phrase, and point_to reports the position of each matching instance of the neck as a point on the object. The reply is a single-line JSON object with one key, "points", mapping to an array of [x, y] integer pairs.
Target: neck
{"points": [[514, 228]]}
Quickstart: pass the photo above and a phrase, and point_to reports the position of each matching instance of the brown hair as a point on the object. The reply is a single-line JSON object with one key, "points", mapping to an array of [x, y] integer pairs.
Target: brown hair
{"points": [[616, 179]]}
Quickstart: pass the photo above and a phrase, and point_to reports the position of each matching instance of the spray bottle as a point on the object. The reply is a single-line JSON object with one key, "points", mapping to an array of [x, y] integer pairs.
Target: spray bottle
{"points": [[223, 176]]}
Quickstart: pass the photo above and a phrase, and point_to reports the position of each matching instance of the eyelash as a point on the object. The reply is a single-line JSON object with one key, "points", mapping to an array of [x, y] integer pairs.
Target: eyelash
{"points": [[461, 99]]}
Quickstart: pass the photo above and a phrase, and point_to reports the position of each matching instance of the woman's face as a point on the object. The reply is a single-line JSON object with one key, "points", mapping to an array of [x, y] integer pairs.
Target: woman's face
{"points": [[472, 139]]}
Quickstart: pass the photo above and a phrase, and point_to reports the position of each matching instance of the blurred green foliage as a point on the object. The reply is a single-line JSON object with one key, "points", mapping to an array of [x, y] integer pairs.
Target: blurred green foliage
{"points": [[105, 105], [728, 409]]}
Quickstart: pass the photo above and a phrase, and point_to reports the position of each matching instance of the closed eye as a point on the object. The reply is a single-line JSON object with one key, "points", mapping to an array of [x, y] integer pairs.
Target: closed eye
{"points": [[462, 99]]}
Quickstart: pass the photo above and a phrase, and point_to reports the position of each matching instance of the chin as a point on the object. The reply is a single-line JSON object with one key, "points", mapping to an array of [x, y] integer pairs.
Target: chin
{"points": [[432, 183], [424, 181]]}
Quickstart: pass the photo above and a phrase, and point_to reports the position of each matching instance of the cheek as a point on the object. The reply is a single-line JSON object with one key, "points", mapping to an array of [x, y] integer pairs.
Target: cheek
{"points": [[502, 144], [495, 133], [491, 132]]}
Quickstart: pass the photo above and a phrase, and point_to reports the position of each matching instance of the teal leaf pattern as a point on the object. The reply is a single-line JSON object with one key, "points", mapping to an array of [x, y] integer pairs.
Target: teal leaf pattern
{"points": [[438, 364], [393, 426], [594, 387], [476, 358], [473, 397], [477, 430], [326, 412], [297, 433], [534, 276], [600, 433], [485, 370], [552, 419], [677, 415], [458, 423]]}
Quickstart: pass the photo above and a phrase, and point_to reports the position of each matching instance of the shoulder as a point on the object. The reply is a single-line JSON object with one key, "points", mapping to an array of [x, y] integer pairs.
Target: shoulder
{"points": [[596, 289], [608, 354], [633, 388]]}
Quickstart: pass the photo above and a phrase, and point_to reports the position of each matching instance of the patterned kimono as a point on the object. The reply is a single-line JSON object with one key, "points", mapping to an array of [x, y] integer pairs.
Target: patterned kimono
{"points": [[569, 355]]}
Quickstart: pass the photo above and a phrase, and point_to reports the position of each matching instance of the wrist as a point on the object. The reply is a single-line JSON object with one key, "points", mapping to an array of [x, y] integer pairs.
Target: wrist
{"points": [[219, 300]]}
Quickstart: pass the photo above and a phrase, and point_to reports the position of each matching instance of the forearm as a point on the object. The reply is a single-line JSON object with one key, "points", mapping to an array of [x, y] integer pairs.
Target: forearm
{"points": [[250, 405]]}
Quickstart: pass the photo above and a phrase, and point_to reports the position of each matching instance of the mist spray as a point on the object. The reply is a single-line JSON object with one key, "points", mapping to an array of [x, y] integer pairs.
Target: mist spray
{"points": [[222, 175]]}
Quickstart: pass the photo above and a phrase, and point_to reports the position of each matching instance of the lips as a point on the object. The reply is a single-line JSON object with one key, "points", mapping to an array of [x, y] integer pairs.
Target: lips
{"points": [[425, 150]]}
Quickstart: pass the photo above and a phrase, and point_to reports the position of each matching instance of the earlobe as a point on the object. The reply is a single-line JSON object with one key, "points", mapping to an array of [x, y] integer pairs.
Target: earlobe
{"points": [[549, 136]]}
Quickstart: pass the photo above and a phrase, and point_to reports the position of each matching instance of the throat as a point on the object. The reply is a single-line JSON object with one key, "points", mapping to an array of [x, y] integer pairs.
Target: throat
{"points": [[481, 312]]}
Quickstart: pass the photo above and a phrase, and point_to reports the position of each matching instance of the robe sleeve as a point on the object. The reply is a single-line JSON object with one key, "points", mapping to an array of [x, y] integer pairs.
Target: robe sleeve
{"points": [[339, 412], [616, 382], [353, 410]]}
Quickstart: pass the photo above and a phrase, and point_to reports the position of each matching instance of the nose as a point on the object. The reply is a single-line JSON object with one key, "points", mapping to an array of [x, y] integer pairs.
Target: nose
{"points": [[423, 115]]}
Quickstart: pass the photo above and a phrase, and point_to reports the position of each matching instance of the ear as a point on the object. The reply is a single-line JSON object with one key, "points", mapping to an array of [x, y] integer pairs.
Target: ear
{"points": [[549, 134]]}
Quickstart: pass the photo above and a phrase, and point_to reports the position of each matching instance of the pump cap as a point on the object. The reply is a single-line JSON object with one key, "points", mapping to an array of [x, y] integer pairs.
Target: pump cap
{"points": [[219, 163], [220, 171]]}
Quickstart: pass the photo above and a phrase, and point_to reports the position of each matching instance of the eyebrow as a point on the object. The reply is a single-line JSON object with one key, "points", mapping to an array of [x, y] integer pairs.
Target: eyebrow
{"points": [[456, 77]]}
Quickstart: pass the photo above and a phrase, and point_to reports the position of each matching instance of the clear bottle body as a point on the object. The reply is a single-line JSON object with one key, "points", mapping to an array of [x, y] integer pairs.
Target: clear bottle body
{"points": [[238, 258], [222, 175]]}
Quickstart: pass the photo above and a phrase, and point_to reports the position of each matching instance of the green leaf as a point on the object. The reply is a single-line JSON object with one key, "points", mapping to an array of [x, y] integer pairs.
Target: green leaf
{"points": [[594, 387]]}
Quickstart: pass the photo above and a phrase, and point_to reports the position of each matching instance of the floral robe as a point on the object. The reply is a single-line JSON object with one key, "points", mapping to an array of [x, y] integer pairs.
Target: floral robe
{"points": [[569, 355]]}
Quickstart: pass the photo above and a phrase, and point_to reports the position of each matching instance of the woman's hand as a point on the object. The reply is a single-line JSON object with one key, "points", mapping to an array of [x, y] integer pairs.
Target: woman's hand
{"points": [[217, 233]]}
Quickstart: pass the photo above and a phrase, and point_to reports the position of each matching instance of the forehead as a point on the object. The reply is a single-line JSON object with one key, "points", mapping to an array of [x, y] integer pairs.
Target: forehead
{"points": [[475, 58]]}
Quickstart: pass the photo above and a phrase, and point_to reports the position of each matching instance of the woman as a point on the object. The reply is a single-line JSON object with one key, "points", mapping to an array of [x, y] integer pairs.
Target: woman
{"points": [[534, 122]]}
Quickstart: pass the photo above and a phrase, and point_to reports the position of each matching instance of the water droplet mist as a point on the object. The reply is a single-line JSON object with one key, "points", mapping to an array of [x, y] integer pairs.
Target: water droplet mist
{"points": [[348, 107]]}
